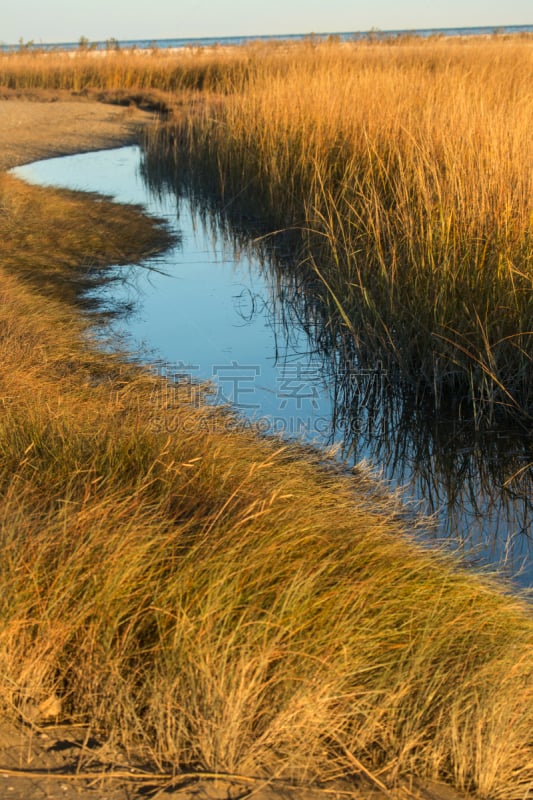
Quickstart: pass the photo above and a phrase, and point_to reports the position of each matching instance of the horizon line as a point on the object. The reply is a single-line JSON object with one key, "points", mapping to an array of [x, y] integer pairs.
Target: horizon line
{"points": [[375, 30]]}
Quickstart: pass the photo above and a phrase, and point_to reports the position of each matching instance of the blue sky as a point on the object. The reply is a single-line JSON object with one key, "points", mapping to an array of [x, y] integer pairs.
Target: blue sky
{"points": [[67, 20]]}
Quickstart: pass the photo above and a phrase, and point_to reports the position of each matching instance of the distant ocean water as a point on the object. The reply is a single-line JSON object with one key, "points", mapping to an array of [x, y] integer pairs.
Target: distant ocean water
{"points": [[239, 40]]}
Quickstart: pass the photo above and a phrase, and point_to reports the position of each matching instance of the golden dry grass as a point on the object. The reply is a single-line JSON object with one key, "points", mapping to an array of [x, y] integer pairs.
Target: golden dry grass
{"points": [[209, 598], [408, 170], [216, 600]]}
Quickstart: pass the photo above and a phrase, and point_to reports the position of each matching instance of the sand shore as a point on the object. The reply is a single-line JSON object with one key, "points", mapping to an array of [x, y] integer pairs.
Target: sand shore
{"points": [[30, 131]]}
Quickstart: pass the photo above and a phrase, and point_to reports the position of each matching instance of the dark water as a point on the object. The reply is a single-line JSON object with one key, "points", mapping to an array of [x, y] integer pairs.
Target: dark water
{"points": [[240, 40], [218, 307]]}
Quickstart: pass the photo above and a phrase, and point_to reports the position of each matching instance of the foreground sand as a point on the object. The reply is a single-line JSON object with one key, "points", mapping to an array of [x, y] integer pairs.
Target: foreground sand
{"points": [[41, 761]]}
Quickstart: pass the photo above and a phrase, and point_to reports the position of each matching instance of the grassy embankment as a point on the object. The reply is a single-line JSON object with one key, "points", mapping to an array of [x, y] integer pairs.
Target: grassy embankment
{"points": [[217, 599]]}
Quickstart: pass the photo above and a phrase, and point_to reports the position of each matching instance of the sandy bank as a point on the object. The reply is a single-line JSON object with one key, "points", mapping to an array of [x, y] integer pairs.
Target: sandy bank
{"points": [[33, 130]]}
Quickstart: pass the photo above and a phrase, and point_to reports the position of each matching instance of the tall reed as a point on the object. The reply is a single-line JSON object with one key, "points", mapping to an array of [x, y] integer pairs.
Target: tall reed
{"points": [[408, 170]]}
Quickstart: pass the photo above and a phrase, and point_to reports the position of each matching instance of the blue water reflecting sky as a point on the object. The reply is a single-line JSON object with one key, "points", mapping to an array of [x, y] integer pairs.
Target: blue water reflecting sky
{"points": [[200, 310]]}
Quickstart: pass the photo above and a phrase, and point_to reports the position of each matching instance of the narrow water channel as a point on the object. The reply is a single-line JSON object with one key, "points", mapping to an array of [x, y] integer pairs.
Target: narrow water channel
{"points": [[212, 308]]}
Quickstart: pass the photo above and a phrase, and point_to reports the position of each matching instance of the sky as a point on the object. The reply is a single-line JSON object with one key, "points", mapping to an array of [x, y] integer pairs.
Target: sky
{"points": [[68, 20]]}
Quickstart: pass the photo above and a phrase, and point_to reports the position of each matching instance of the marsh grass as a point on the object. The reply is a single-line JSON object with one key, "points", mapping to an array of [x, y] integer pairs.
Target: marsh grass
{"points": [[214, 600], [407, 170], [209, 598]]}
